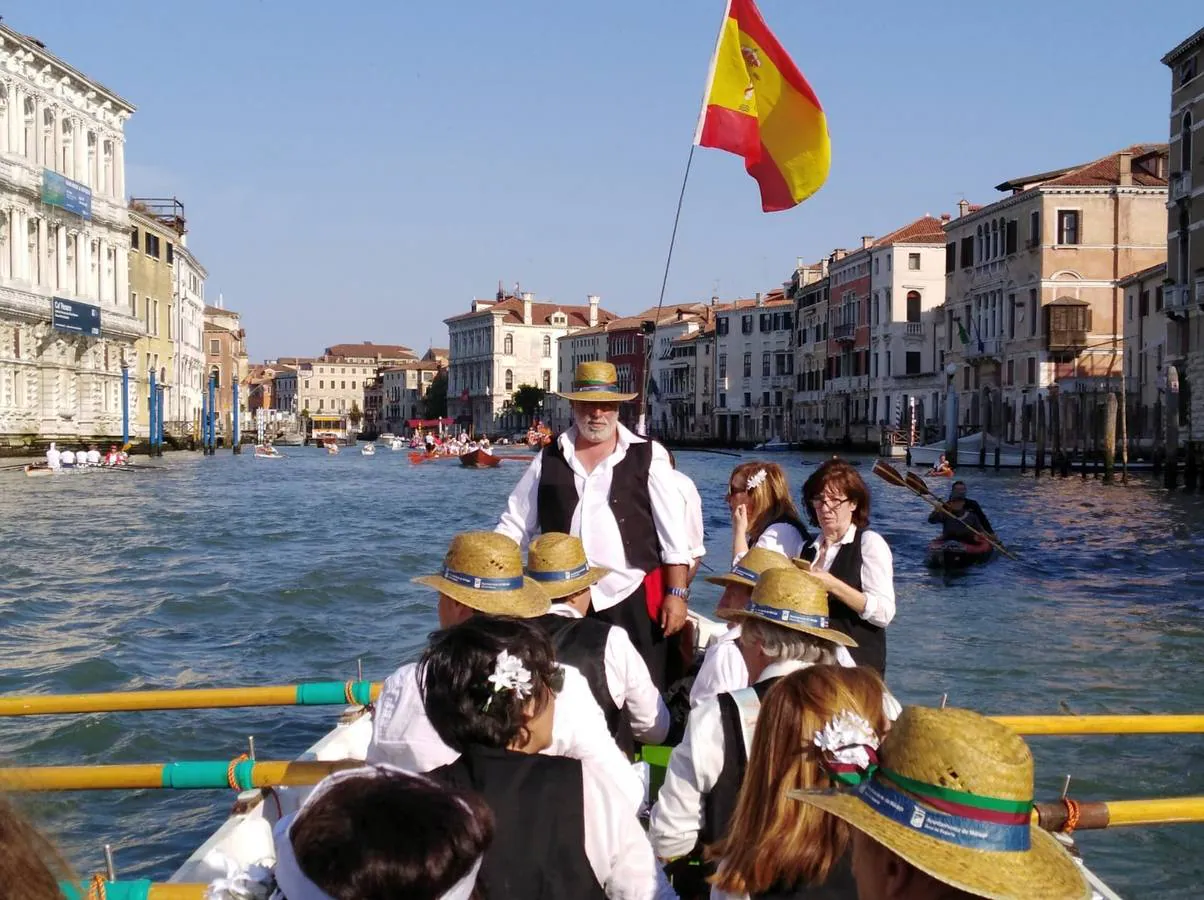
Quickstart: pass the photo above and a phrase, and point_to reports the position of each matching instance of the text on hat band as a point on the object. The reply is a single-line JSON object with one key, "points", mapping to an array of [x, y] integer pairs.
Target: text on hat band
{"points": [[561, 574], [744, 573], [483, 584], [787, 615], [969, 831]]}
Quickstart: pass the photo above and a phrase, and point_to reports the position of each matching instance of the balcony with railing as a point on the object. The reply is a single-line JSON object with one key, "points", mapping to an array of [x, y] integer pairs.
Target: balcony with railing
{"points": [[1180, 186], [1176, 299], [983, 348], [915, 329], [845, 331]]}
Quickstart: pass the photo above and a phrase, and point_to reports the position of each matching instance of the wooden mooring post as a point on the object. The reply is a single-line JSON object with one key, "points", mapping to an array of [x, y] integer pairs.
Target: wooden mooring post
{"points": [[1110, 411], [1170, 474], [1040, 437]]}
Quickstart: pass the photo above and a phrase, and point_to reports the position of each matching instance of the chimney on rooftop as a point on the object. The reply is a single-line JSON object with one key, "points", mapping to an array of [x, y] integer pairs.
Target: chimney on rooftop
{"points": [[1126, 168], [963, 207], [714, 300], [945, 217], [528, 297], [867, 241], [760, 302], [594, 300]]}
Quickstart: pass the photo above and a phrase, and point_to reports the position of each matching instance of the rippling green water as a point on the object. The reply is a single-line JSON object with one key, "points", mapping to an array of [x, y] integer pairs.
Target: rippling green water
{"points": [[236, 571]]}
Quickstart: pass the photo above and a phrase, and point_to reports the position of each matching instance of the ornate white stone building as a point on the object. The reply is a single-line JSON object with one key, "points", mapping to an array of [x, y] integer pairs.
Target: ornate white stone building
{"points": [[190, 275], [64, 233], [502, 344]]}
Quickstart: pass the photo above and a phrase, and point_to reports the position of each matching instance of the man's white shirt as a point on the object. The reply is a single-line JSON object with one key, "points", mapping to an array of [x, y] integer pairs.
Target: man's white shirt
{"points": [[594, 520]]}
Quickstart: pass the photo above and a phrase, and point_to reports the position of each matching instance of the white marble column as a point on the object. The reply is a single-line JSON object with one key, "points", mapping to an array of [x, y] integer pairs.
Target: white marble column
{"points": [[16, 112], [122, 265], [21, 245], [119, 170], [60, 257], [81, 268], [102, 260], [42, 276], [80, 152]]}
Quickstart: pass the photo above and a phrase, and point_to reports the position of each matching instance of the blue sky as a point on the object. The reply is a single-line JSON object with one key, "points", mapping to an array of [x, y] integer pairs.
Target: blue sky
{"points": [[359, 171]]}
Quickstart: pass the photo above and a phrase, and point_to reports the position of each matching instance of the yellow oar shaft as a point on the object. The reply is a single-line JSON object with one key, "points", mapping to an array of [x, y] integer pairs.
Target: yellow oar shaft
{"points": [[179, 776], [1094, 814], [1136, 724], [318, 693]]}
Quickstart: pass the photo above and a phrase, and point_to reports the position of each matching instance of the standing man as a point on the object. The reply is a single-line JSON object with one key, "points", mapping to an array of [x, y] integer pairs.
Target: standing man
{"points": [[615, 491]]}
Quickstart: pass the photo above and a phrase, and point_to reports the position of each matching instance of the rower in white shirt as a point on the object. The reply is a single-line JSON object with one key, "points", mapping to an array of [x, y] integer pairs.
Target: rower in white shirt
{"points": [[604, 654], [616, 492], [67, 459], [482, 574], [93, 456], [53, 457], [691, 514], [723, 667], [785, 627]]}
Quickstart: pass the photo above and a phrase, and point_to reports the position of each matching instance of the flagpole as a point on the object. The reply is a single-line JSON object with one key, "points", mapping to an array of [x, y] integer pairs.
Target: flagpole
{"points": [[642, 425]]}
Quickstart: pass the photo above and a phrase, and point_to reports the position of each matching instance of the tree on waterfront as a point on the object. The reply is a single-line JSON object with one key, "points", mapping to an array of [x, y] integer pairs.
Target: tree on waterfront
{"points": [[305, 420], [527, 399], [355, 416], [434, 402]]}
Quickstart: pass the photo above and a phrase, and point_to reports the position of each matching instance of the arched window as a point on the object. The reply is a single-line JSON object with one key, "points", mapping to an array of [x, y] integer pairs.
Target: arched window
{"points": [[1185, 144], [547, 345], [509, 377], [994, 239], [547, 380], [981, 248], [508, 345]]}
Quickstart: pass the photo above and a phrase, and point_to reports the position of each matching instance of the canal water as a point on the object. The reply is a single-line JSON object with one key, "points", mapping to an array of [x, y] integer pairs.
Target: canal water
{"points": [[235, 571]]}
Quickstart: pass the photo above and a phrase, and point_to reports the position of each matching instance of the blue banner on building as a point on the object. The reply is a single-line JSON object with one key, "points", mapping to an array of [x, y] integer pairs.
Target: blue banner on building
{"points": [[76, 317], [64, 193]]}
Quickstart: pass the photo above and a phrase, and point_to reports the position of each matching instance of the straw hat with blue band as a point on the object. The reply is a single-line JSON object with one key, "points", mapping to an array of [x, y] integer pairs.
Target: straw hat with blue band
{"points": [[484, 571], [952, 794], [791, 599], [596, 382], [748, 570], [557, 561]]}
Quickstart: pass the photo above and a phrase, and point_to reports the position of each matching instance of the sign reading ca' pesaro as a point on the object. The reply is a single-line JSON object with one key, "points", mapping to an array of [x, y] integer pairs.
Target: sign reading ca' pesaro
{"points": [[60, 191], [76, 317]]}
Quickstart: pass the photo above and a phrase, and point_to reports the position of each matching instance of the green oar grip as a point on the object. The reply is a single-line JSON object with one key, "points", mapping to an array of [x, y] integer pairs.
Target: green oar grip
{"points": [[190, 775], [332, 693], [114, 890]]}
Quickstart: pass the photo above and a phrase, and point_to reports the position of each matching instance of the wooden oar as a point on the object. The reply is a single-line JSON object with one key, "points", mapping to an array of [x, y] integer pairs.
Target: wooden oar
{"points": [[1117, 813], [312, 693], [918, 487], [1135, 724], [133, 890], [240, 775]]}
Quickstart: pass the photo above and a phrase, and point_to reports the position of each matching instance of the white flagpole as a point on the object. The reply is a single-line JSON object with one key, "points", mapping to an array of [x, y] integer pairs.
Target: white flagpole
{"points": [[702, 113]]}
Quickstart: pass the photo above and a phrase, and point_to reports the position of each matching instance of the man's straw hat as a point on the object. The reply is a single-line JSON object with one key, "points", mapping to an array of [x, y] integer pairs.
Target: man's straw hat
{"points": [[597, 382], [484, 571], [792, 599], [749, 569], [557, 561], [953, 797]]}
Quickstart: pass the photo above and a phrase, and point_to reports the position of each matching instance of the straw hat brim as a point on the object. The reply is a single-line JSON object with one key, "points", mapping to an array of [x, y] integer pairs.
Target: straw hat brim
{"points": [[557, 590], [828, 634], [597, 396], [726, 578], [1046, 870], [526, 602]]}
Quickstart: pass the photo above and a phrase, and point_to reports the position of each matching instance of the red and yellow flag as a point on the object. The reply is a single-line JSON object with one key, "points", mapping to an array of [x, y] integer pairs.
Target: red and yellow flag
{"points": [[758, 105]]}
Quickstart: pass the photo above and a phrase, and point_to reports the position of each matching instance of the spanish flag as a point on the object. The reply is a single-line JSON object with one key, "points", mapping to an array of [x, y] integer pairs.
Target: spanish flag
{"points": [[758, 105]]}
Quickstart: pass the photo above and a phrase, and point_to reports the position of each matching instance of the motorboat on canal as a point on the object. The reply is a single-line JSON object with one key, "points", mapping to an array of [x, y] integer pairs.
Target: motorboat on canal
{"points": [[776, 445], [368, 450], [268, 453], [954, 554]]}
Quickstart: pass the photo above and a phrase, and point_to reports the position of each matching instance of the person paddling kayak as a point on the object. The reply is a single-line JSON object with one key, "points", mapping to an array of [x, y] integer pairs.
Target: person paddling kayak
{"points": [[962, 519]]}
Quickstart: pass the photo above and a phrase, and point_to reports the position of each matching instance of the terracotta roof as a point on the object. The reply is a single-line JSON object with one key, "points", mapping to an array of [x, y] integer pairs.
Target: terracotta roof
{"points": [[772, 299], [369, 350], [410, 365], [1101, 172], [924, 230], [541, 313], [1141, 275]]}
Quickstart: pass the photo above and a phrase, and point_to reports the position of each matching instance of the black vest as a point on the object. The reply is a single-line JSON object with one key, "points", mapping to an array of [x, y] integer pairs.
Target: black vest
{"points": [[630, 501], [871, 639], [719, 805], [582, 644], [839, 886], [538, 850]]}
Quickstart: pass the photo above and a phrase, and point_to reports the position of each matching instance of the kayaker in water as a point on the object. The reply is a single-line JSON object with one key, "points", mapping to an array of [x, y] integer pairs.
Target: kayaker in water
{"points": [[789, 851], [960, 522], [373, 831], [941, 467], [564, 830], [959, 489], [944, 811], [617, 674]]}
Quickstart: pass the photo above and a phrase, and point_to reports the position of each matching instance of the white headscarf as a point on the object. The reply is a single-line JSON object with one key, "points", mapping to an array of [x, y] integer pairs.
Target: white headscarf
{"points": [[290, 882]]}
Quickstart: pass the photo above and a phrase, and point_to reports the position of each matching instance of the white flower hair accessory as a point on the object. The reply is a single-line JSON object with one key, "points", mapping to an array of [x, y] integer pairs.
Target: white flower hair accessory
{"points": [[509, 674], [756, 480], [849, 746]]}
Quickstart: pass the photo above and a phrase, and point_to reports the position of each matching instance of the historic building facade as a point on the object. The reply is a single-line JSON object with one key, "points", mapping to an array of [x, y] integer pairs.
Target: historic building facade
{"points": [[66, 327]]}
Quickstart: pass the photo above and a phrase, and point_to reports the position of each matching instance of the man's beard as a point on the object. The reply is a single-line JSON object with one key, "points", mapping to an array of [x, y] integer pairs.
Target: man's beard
{"points": [[598, 433]]}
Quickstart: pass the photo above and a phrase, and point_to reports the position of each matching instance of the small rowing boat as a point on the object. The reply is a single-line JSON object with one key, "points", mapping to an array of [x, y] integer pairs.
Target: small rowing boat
{"points": [[268, 453], [479, 459], [952, 554], [368, 450]]}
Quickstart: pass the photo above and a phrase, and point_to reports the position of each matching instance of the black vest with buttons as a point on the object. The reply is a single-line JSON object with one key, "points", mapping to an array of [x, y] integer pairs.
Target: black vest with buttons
{"points": [[630, 501], [871, 639]]}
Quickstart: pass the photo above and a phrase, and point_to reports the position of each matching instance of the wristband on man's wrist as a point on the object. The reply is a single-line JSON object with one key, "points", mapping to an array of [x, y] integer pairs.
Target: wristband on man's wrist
{"points": [[684, 593]]}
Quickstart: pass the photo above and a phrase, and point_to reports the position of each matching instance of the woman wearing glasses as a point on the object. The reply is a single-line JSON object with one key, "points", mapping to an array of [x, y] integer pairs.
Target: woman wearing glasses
{"points": [[763, 515], [853, 562]]}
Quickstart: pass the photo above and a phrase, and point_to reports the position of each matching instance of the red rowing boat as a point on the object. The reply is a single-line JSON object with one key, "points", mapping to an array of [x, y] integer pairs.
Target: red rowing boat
{"points": [[479, 459]]}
